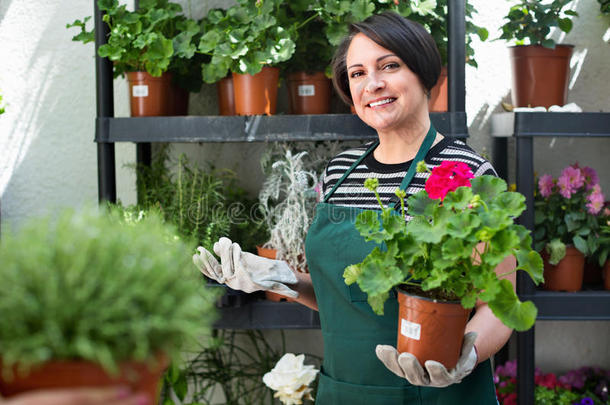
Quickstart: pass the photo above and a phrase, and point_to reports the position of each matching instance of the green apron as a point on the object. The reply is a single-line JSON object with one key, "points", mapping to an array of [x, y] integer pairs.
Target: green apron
{"points": [[351, 372]]}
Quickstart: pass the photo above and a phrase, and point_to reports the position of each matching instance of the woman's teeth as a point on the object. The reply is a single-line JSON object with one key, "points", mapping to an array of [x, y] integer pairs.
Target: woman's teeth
{"points": [[381, 102]]}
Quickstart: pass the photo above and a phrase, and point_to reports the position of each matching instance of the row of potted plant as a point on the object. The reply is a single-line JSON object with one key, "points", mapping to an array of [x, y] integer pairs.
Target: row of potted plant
{"points": [[245, 47], [572, 228], [582, 386]]}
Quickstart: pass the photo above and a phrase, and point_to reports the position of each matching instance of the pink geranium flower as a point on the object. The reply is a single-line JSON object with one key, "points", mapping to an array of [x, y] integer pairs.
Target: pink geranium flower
{"points": [[591, 178], [595, 200], [564, 186], [545, 184], [448, 177]]}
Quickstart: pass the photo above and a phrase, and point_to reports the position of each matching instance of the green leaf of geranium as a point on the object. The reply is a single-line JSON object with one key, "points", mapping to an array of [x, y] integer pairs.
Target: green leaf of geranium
{"points": [[458, 199], [208, 41], [377, 302], [379, 272], [367, 223], [531, 262], [420, 204], [487, 186], [361, 9], [580, 244], [336, 32], [352, 273], [469, 299], [392, 223], [460, 225], [424, 231], [456, 248], [556, 250], [512, 204], [512, 312]]}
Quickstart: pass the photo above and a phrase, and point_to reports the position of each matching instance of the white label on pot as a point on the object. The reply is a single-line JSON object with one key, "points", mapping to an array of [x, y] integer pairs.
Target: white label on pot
{"points": [[411, 330], [306, 90], [140, 91]]}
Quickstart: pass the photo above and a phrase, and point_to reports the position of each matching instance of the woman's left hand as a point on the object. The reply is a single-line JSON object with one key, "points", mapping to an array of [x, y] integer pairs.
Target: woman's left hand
{"points": [[407, 366]]}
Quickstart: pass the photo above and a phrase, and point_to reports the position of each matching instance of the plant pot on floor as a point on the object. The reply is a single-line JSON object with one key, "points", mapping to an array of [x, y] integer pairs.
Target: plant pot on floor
{"points": [[431, 329], [540, 75], [226, 97], [149, 96], [309, 93], [567, 275], [438, 95], [270, 253], [139, 376], [256, 94]]}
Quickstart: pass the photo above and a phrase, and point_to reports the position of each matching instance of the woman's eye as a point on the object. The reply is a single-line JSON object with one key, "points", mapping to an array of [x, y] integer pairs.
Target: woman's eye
{"points": [[356, 74], [392, 65]]}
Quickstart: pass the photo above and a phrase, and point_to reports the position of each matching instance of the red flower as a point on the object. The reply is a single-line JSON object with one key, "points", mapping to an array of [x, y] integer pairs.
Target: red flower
{"points": [[547, 380], [448, 177], [510, 400]]}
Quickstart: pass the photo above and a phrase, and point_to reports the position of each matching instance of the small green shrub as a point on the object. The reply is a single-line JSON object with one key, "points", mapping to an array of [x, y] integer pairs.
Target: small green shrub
{"points": [[91, 286]]}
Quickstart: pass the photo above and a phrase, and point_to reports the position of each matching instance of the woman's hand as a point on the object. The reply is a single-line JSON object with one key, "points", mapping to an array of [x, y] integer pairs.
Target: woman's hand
{"points": [[80, 396]]}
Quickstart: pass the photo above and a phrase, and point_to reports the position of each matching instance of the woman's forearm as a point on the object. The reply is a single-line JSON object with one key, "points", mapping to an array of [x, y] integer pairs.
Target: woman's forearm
{"points": [[304, 287]]}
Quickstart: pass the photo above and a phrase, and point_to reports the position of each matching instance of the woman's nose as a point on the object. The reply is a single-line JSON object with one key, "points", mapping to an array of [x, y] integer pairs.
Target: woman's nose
{"points": [[374, 83]]}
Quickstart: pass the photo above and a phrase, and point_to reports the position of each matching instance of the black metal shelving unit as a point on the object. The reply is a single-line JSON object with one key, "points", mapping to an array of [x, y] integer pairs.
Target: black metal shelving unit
{"points": [[584, 305]]}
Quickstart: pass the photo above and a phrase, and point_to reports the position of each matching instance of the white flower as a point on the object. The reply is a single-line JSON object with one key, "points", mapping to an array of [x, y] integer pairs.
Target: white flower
{"points": [[290, 378]]}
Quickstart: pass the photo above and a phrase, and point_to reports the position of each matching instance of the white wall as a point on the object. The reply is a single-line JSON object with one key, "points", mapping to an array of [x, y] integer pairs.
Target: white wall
{"points": [[48, 157]]}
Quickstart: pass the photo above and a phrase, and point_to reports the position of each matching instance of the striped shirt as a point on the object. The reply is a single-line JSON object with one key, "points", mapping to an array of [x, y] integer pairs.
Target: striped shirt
{"points": [[352, 192]]}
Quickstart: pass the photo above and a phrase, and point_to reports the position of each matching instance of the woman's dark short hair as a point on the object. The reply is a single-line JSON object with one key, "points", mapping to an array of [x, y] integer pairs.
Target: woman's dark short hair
{"points": [[407, 39]]}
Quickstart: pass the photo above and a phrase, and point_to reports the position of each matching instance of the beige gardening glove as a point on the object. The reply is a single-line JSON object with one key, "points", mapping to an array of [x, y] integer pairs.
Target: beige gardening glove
{"points": [[245, 271], [405, 365]]}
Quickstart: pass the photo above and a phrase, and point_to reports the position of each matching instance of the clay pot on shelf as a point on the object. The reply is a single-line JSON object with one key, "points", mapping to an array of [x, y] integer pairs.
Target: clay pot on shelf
{"points": [[540, 75], [226, 98], [567, 275], [439, 95], [256, 94], [309, 93], [270, 253], [149, 95], [431, 329], [139, 376]]}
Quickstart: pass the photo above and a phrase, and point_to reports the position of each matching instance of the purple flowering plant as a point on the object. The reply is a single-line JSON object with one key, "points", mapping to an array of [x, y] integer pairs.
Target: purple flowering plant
{"points": [[582, 386], [567, 212]]}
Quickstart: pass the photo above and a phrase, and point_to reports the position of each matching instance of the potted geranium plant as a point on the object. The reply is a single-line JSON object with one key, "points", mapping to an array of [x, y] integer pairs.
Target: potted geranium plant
{"points": [[541, 68], [461, 229], [88, 299], [248, 41], [141, 45], [287, 199], [566, 223]]}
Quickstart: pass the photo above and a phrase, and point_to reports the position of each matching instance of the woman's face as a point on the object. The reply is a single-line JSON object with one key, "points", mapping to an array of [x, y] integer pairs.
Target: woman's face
{"points": [[385, 92]]}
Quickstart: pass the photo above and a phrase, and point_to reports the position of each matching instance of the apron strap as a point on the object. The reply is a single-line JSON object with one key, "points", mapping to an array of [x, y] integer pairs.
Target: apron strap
{"points": [[421, 154], [352, 167]]}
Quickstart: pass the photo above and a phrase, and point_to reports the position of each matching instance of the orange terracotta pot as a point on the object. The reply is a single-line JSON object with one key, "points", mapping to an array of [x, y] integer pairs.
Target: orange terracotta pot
{"points": [[430, 329], [606, 275], [149, 96], [226, 98], [540, 75], [438, 95], [271, 254], [141, 377], [256, 94], [309, 93], [567, 275]]}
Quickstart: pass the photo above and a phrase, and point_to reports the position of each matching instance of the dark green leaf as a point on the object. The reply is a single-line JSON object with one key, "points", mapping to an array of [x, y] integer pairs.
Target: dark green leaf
{"points": [[512, 312]]}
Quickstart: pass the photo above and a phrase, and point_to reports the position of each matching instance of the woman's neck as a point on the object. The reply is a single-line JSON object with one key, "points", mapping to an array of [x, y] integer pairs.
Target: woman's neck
{"points": [[401, 145]]}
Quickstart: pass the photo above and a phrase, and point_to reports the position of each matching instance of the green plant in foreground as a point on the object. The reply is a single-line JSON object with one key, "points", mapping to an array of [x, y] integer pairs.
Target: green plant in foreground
{"points": [[533, 20], [450, 248], [89, 286]]}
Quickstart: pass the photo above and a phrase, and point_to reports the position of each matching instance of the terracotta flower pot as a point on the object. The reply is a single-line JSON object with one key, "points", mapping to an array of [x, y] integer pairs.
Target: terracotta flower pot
{"points": [[149, 96], [256, 94], [271, 254], [540, 75], [226, 98], [606, 275], [309, 93], [567, 275], [141, 377], [430, 329], [438, 95]]}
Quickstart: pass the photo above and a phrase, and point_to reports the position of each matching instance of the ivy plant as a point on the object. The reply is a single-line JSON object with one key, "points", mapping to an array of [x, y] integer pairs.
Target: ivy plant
{"points": [[530, 22], [449, 249]]}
